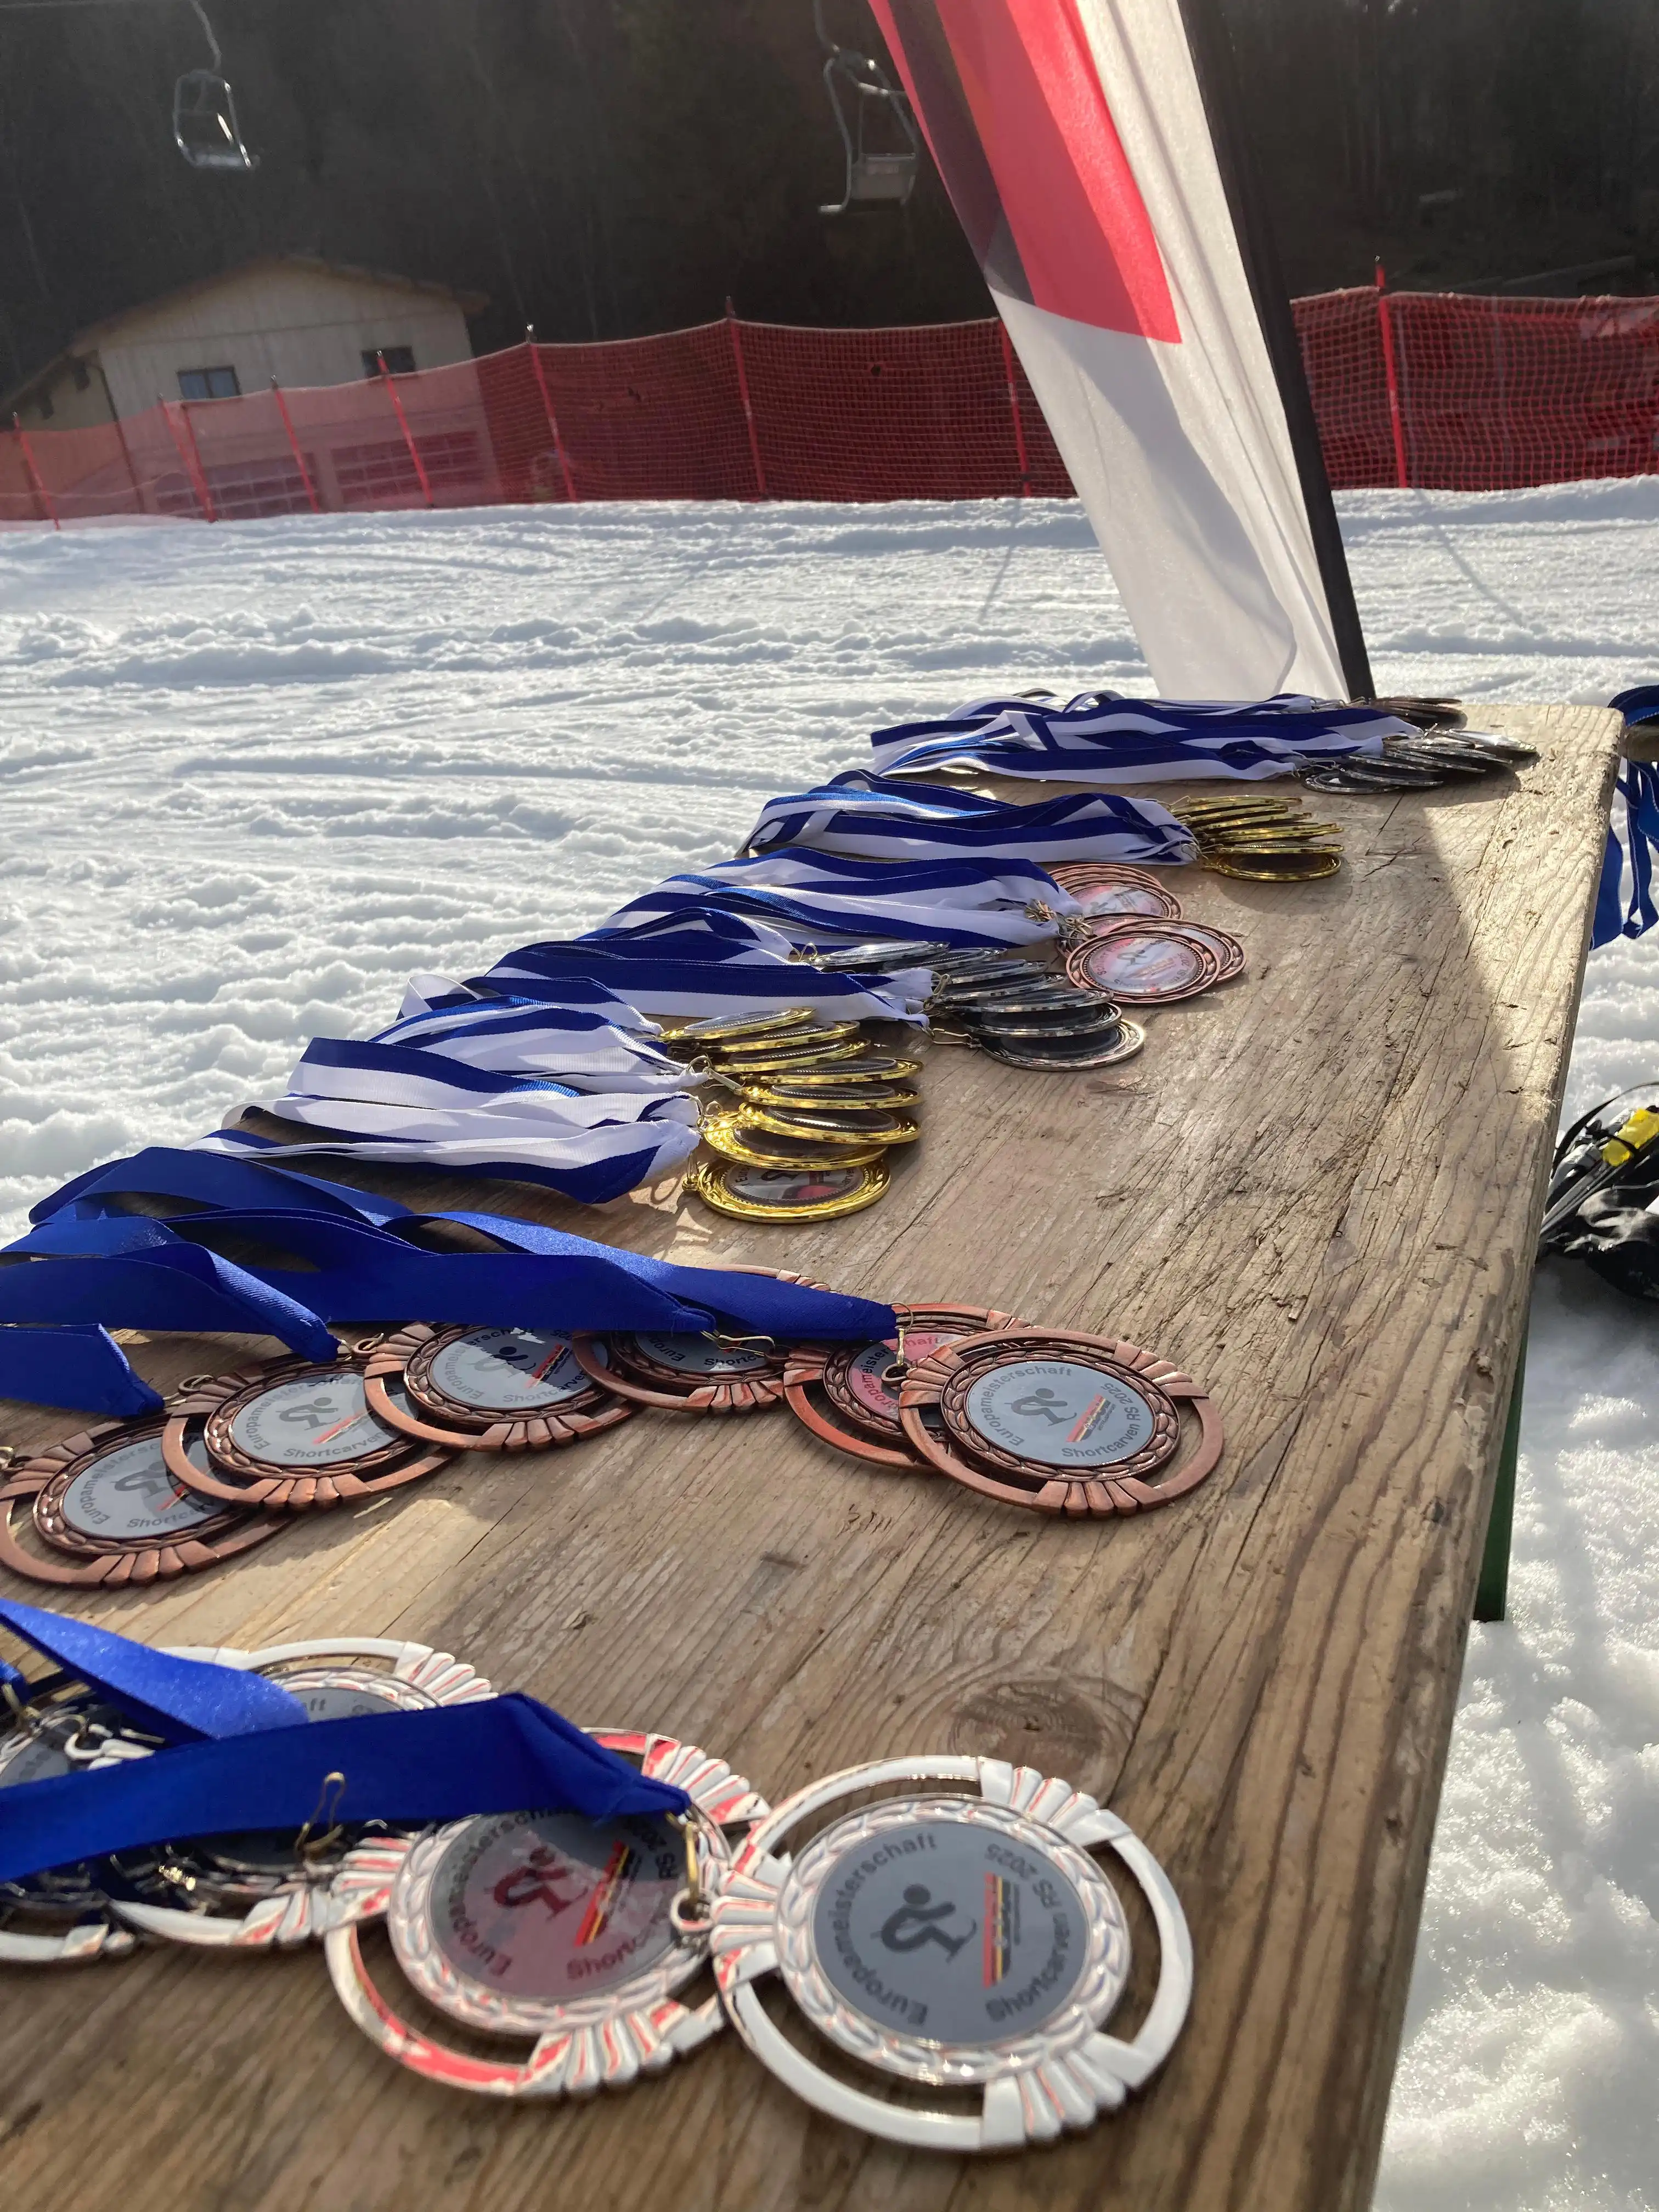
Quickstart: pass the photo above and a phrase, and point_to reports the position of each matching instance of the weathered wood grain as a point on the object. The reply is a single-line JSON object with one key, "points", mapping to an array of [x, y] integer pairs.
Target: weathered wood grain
{"points": [[1318, 1190]]}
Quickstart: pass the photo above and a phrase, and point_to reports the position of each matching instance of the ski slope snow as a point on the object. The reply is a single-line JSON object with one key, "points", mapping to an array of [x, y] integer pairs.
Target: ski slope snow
{"points": [[253, 775]]}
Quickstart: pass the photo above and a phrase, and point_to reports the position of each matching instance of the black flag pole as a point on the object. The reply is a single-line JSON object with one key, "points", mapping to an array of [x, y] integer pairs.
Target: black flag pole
{"points": [[1217, 82]]}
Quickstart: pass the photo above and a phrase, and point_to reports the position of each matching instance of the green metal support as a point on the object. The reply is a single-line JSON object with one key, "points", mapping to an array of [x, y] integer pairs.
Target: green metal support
{"points": [[1492, 1588]]}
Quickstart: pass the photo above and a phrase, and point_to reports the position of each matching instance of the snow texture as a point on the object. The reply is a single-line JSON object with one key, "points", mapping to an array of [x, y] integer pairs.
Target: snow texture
{"points": [[255, 775]]}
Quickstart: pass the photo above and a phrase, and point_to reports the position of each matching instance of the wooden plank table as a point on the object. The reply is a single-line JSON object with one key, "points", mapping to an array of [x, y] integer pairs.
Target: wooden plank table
{"points": [[1318, 1190]]}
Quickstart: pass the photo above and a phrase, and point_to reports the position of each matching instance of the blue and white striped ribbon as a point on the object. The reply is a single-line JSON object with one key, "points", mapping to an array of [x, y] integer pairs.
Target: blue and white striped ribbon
{"points": [[813, 897], [436, 995], [880, 819], [570, 1044], [1101, 738], [754, 981], [379, 1102]]}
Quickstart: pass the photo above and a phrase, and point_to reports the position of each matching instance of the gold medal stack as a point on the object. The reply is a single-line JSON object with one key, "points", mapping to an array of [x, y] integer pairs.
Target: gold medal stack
{"points": [[808, 1112]]}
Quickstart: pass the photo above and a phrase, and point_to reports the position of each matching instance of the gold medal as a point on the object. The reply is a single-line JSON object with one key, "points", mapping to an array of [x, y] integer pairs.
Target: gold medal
{"points": [[838, 1125], [728, 1029], [753, 1193], [738, 1133], [785, 1092]]}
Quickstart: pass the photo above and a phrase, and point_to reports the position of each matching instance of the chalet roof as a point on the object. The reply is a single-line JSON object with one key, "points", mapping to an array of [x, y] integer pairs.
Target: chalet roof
{"points": [[88, 340]]}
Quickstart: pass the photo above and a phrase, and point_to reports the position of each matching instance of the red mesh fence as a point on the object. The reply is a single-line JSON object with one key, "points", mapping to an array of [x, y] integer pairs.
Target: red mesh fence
{"points": [[1435, 389]]}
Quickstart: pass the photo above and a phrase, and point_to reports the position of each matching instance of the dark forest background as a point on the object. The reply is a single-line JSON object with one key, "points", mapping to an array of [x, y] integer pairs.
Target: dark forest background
{"points": [[605, 168]]}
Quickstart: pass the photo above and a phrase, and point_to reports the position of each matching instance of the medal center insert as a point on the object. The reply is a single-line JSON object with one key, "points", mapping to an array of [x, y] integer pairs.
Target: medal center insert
{"points": [[314, 1421], [948, 1932], [130, 1496], [1060, 1412], [867, 1374], [550, 1907], [509, 1371]]}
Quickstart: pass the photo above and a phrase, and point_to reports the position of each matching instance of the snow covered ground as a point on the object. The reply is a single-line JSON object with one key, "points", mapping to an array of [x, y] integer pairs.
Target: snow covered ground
{"points": [[253, 775]]}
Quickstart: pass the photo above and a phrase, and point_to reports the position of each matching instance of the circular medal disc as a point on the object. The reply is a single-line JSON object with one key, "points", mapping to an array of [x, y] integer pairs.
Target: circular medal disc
{"points": [[860, 1383], [1143, 963], [487, 1389], [684, 1374], [109, 1500], [1103, 1029], [783, 1092], [1075, 876], [292, 1435], [1280, 868], [749, 1194], [729, 1029], [1149, 899], [816, 1039], [740, 1133], [1228, 949], [1061, 1422], [806, 1055], [62, 1916], [870, 1068], [1060, 1058], [840, 1124], [578, 1933], [971, 1940]]}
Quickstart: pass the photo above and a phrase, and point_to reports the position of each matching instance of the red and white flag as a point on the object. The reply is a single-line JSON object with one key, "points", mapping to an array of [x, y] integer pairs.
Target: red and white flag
{"points": [[1073, 138]]}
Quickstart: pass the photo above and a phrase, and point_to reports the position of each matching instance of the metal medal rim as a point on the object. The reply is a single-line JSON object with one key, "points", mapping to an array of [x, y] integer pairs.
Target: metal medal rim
{"points": [[723, 1132], [782, 1062], [92, 1931], [719, 1029], [217, 1401], [782, 1094], [1058, 2083], [1228, 949], [969, 1459], [296, 1909], [881, 1067], [821, 1034], [635, 1374], [1131, 994], [45, 1478], [1105, 1027], [1321, 864], [865, 1435], [1068, 874], [707, 1183], [408, 1355], [1134, 1041], [780, 1125], [606, 2041], [1167, 907]]}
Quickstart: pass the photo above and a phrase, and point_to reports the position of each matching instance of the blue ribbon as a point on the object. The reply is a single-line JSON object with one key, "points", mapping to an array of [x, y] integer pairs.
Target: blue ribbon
{"points": [[175, 1698], [155, 1281], [505, 1754], [365, 1269], [79, 1365]]}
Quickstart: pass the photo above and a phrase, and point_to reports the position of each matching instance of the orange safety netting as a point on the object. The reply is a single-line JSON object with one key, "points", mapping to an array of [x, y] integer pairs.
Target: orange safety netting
{"points": [[1433, 388]]}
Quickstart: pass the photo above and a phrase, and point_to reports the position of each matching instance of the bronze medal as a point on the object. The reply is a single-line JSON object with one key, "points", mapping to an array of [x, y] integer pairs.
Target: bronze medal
{"points": [[486, 1389], [753, 1193], [1061, 1422], [290, 1434], [1228, 949], [684, 1374], [1102, 887], [848, 1394], [110, 1510], [1145, 963]]}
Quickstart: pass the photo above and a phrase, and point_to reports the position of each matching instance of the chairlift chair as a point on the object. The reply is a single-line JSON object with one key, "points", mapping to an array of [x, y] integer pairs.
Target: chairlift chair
{"points": [[205, 125], [862, 90]]}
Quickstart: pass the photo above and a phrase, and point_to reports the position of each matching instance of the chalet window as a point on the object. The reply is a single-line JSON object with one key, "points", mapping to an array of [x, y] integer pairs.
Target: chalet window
{"points": [[399, 361], [209, 384]]}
